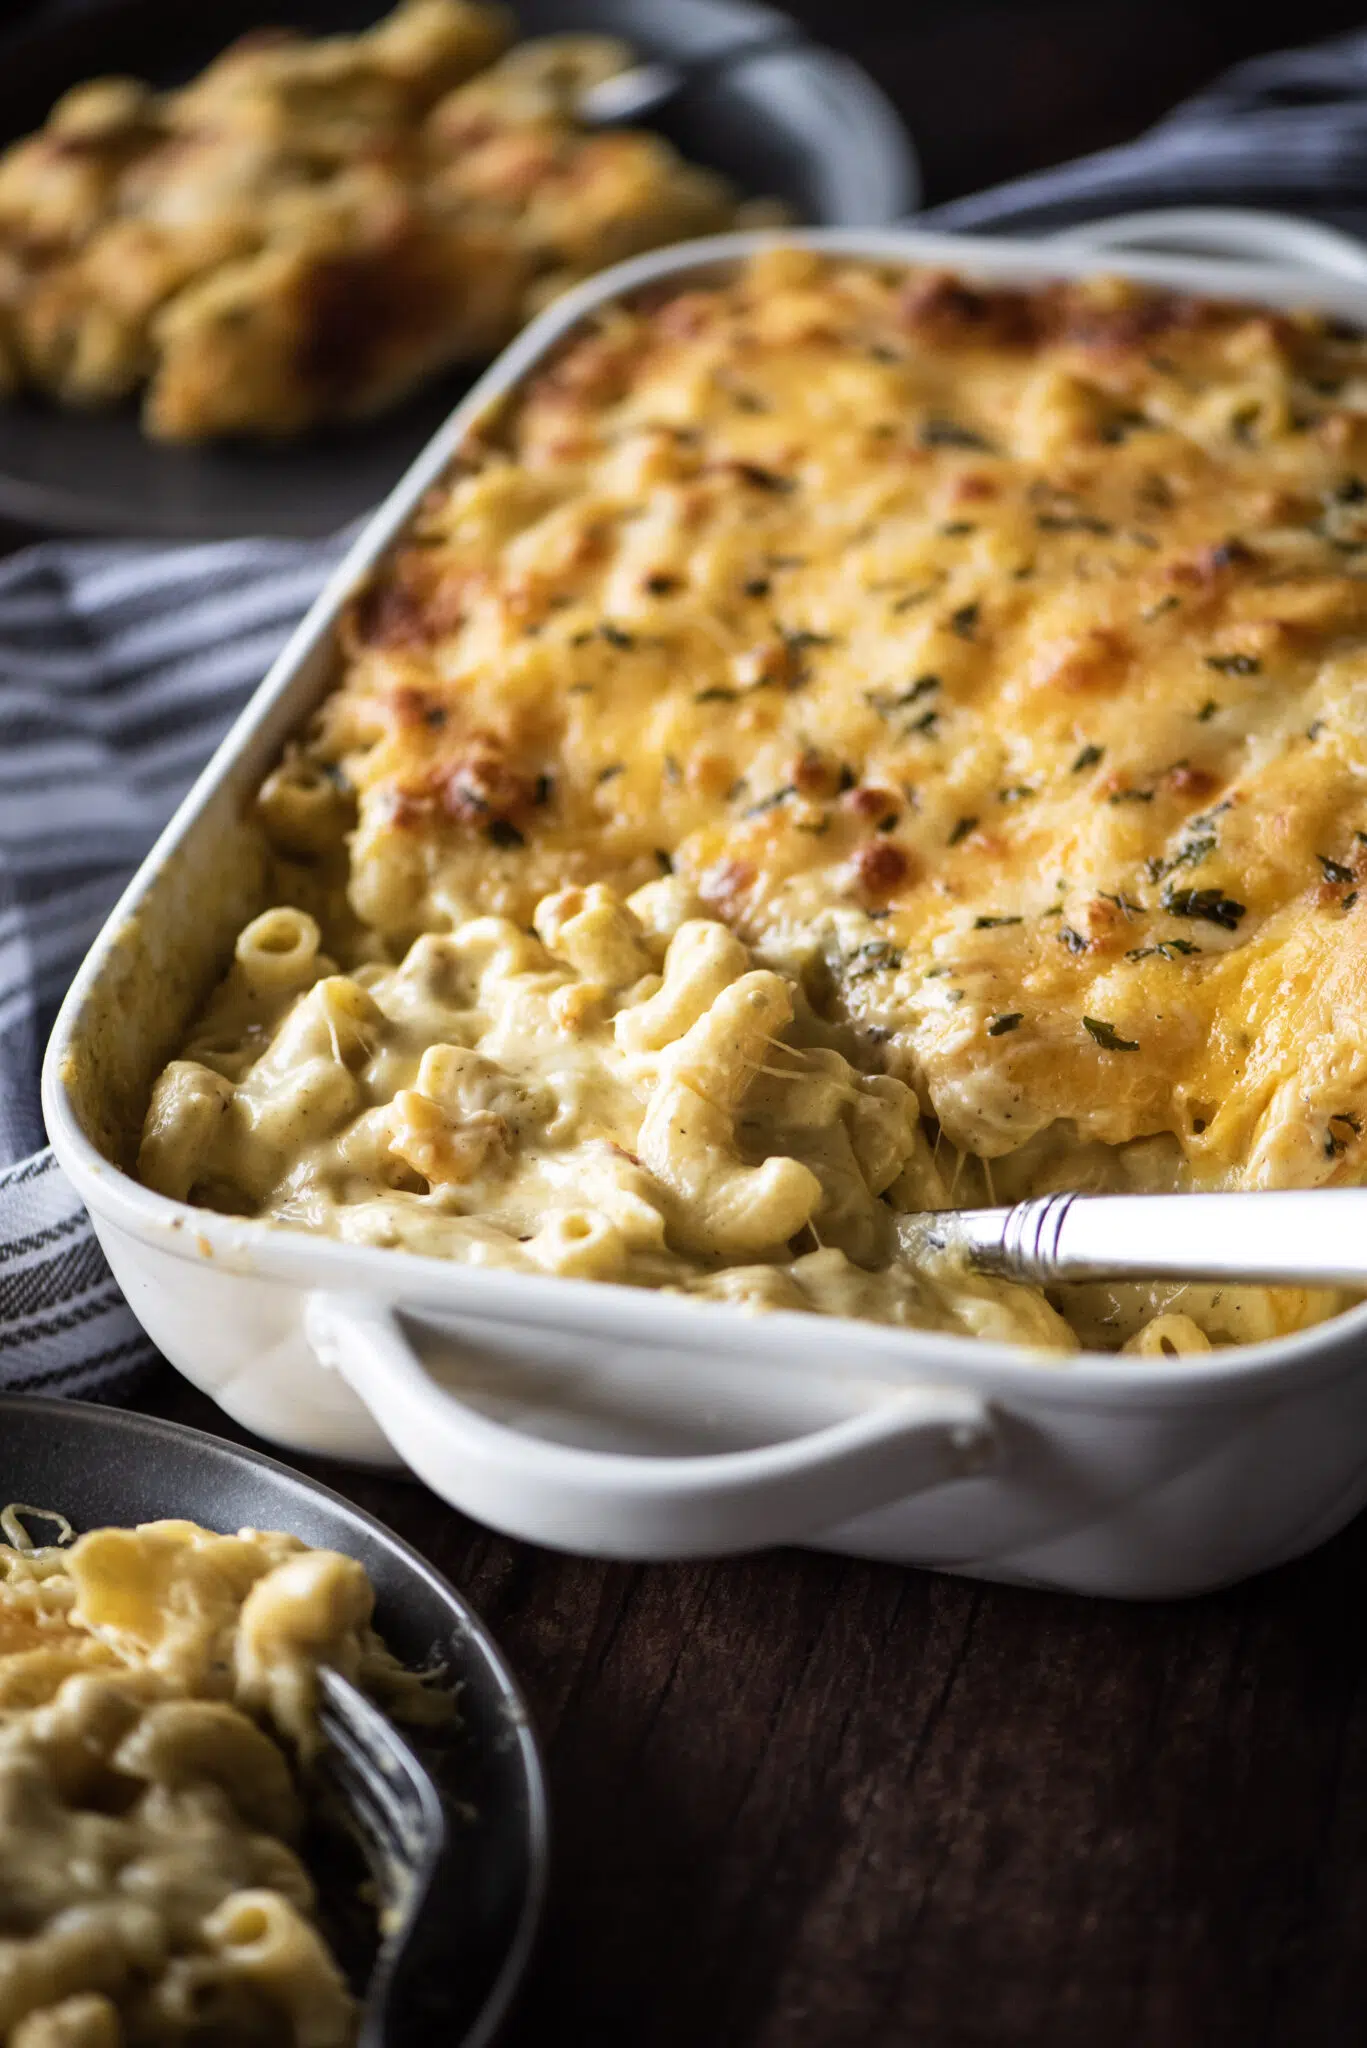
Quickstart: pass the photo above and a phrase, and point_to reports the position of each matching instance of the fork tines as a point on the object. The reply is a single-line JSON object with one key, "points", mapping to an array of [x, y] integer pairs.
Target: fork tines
{"points": [[386, 1789]]}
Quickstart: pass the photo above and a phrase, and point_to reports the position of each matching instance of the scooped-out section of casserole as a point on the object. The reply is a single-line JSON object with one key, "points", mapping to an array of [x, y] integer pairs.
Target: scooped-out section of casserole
{"points": [[843, 739]]}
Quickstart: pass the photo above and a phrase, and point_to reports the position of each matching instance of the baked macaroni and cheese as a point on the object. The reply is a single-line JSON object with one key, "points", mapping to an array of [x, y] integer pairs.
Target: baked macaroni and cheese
{"points": [[312, 227], [155, 1685], [843, 740]]}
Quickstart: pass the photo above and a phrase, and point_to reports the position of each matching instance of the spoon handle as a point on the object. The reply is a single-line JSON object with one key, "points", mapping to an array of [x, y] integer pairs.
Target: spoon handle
{"points": [[1292, 1237]]}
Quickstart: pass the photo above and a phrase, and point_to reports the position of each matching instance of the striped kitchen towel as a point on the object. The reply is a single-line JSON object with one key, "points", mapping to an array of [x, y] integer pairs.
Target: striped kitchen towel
{"points": [[120, 669], [121, 666]]}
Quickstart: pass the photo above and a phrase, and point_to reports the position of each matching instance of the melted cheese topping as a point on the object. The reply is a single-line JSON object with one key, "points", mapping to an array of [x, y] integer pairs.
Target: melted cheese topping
{"points": [[997, 656], [991, 661]]}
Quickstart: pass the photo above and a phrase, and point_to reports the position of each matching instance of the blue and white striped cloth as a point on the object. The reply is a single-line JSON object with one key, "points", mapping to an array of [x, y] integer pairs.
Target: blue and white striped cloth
{"points": [[120, 669], [122, 665]]}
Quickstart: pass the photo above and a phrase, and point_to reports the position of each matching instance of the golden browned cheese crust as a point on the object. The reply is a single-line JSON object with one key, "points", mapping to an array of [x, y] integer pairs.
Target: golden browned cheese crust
{"points": [[994, 659]]}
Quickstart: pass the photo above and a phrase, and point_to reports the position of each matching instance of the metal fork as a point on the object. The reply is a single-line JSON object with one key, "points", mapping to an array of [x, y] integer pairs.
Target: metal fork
{"points": [[407, 1837], [1308, 1237]]}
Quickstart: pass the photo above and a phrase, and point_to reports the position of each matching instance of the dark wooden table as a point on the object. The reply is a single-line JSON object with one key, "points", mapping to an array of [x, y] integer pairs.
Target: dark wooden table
{"points": [[802, 1803], [805, 1803]]}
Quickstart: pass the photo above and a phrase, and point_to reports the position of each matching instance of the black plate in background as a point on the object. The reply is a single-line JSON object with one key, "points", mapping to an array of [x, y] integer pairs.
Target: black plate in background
{"points": [[802, 122], [104, 1465]]}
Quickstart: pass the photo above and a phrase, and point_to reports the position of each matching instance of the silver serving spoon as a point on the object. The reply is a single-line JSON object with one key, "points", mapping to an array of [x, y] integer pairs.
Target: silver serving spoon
{"points": [[1294, 1237], [642, 90]]}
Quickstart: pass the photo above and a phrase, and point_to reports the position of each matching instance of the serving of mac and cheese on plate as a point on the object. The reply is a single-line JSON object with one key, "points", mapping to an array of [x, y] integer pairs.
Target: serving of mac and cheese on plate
{"points": [[315, 226], [157, 1694], [844, 739]]}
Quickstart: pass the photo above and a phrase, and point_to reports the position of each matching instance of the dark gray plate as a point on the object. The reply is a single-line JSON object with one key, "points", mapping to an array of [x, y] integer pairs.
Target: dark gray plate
{"points": [[802, 122], [104, 1465]]}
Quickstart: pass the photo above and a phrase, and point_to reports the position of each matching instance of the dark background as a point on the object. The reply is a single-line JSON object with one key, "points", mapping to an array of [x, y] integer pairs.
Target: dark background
{"points": [[993, 90], [804, 1803]]}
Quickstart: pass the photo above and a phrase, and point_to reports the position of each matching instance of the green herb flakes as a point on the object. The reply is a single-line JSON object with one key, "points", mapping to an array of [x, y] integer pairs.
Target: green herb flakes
{"points": [[944, 433], [1234, 664], [1210, 904], [1107, 1037]]}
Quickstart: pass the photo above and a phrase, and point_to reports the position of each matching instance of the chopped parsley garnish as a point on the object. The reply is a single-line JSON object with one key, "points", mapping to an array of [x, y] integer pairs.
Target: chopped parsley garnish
{"points": [[884, 702], [800, 638], [1207, 711], [758, 586], [1130, 796], [1107, 1037], [1166, 949], [1088, 758], [944, 433], [1071, 522], [1073, 940], [964, 621], [961, 830], [1210, 904], [992, 924], [1234, 664], [768, 803], [874, 957], [763, 479], [615, 637], [503, 832], [1189, 854], [997, 1027], [716, 695], [607, 774], [1334, 870]]}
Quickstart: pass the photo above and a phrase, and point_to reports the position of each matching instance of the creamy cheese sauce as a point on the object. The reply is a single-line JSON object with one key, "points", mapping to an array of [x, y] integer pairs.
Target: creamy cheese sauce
{"points": [[151, 1886]]}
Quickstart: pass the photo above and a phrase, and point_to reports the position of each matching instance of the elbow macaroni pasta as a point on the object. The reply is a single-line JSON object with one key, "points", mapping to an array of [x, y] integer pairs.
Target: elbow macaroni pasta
{"points": [[843, 740], [151, 1885]]}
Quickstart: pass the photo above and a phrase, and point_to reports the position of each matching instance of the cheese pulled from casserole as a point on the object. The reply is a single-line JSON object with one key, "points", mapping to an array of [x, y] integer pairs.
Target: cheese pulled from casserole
{"points": [[989, 661]]}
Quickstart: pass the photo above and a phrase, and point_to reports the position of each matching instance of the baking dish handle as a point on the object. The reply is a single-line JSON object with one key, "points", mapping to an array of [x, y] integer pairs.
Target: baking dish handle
{"points": [[616, 1504], [1238, 234]]}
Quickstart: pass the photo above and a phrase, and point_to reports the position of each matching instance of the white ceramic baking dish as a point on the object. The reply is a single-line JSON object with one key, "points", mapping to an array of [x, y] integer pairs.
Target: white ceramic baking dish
{"points": [[605, 1419]]}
